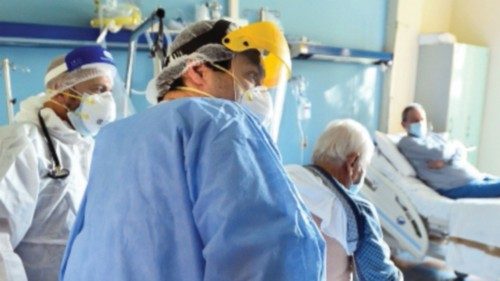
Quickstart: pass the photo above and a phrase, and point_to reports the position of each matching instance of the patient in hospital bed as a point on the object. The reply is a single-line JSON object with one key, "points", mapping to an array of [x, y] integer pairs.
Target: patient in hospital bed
{"points": [[440, 163], [349, 224]]}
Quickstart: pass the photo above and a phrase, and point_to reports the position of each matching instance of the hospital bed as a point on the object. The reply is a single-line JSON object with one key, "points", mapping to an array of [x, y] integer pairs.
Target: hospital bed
{"points": [[417, 220]]}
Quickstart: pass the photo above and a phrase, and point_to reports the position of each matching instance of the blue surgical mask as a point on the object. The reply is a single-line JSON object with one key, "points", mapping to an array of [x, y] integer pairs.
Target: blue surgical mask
{"points": [[418, 129], [356, 187]]}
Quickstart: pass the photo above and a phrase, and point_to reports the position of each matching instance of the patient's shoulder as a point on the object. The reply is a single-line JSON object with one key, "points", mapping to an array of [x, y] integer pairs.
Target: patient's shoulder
{"points": [[406, 141], [364, 205]]}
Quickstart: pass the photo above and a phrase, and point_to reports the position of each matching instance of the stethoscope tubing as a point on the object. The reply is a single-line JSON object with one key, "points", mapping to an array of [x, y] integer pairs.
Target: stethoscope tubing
{"points": [[58, 172]]}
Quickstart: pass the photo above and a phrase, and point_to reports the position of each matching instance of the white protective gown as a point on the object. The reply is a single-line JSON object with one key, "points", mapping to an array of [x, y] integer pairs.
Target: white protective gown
{"points": [[36, 211]]}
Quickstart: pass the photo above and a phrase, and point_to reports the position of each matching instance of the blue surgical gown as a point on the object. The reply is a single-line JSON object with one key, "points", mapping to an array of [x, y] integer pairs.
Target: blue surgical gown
{"points": [[191, 189]]}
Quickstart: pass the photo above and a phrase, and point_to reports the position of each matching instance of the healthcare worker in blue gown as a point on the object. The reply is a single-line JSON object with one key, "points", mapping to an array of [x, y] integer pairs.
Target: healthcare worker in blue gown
{"points": [[193, 188]]}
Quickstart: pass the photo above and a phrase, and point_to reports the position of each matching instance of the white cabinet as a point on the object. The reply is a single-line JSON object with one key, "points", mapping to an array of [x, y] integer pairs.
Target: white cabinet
{"points": [[451, 81]]}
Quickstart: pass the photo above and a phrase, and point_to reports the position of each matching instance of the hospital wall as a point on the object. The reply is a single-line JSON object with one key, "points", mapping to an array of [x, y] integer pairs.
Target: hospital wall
{"points": [[402, 29], [336, 90], [436, 15], [70, 13], [477, 22]]}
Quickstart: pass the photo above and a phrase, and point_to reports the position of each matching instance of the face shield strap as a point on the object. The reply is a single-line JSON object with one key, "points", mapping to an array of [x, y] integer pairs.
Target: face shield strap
{"points": [[66, 81], [213, 36]]}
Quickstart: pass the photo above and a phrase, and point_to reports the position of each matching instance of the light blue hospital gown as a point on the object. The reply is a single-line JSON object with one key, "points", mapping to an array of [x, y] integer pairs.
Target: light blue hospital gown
{"points": [[191, 189], [456, 171]]}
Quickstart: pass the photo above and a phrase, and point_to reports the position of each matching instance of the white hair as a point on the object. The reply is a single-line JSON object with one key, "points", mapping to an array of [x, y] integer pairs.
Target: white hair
{"points": [[341, 138]]}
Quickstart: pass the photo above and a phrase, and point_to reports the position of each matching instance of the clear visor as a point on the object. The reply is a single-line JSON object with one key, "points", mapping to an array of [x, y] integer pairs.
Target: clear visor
{"points": [[274, 62], [65, 80], [266, 103], [124, 105], [70, 80]]}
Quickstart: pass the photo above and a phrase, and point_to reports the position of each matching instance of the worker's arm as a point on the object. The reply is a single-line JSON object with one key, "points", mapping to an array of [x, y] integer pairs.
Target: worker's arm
{"points": [[251, 223], [19, 182]]}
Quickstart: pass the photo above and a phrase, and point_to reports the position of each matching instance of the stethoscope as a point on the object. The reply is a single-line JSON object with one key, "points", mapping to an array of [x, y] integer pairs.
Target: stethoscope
{"points": [[57, 172]]}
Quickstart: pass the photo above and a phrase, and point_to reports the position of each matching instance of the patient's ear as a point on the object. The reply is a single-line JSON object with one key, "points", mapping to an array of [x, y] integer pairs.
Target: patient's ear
{"points": [[351, 163]]}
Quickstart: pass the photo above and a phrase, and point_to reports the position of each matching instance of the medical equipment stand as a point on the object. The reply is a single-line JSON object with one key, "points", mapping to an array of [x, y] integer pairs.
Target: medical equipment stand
{"points": [[158, 15], [8, 90]]}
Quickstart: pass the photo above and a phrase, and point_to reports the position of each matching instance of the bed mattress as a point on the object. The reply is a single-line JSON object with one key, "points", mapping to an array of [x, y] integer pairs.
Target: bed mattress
{"points": [[470, 219]]}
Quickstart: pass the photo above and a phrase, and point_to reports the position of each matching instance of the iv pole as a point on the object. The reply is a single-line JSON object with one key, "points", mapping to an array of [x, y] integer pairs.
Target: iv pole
{"points": [[158, 15], [8, 90]]}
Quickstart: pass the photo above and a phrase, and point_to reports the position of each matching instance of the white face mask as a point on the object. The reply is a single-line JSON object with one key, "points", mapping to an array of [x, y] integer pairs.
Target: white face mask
{"points": [[418, 129], [259, 101], [94, 112], [356, 187]]}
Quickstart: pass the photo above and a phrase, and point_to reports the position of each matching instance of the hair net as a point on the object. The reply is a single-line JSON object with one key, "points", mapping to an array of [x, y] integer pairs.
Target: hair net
{"points": [[198, 43], [63, 74]]}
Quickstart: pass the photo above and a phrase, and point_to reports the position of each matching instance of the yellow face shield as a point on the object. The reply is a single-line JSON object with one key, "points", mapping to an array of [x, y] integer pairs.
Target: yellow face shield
{"points": [[270, 41]]}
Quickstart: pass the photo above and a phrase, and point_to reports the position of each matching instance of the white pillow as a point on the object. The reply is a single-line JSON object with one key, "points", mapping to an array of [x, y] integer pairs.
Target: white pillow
{"points": [[387, 146]]}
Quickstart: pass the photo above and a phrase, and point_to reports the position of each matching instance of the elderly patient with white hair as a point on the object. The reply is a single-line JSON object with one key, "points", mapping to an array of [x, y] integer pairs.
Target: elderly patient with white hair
{"points": [[349, 224]]}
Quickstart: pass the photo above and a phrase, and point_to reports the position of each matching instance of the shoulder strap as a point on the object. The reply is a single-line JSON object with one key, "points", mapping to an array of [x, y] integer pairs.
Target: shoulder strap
{"points": [[349, 204]]}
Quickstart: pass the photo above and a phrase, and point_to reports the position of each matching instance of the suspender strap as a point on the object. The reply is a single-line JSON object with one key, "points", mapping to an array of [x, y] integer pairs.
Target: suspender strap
{"points": [[335, 187]]}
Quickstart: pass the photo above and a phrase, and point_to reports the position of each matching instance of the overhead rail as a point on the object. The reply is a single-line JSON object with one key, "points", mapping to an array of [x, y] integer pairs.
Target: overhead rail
{"points": [[306, 50], [29, 34]]}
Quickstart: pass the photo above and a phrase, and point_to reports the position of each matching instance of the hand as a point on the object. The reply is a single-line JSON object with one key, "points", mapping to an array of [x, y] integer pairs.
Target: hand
{"points": [[461, 150], [435, 164]]}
